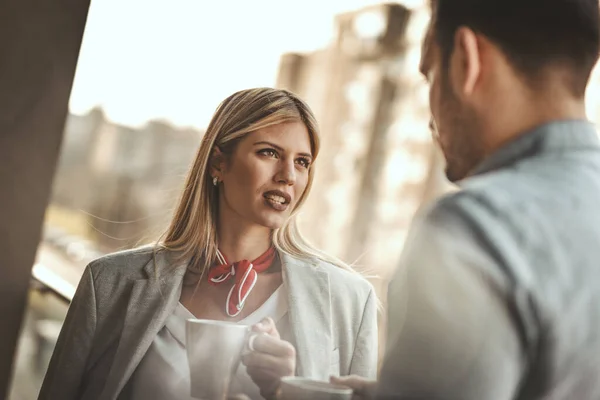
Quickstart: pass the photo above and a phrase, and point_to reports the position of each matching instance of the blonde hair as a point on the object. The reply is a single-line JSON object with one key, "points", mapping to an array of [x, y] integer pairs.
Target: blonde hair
{"points": [[193, 229]]}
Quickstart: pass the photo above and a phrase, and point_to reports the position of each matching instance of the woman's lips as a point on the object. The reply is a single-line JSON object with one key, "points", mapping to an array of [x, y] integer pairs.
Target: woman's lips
{"points": [[277, 200]]}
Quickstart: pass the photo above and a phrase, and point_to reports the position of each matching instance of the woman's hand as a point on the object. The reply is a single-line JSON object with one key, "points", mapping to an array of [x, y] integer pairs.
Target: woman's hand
{"points": [[269, 358]]}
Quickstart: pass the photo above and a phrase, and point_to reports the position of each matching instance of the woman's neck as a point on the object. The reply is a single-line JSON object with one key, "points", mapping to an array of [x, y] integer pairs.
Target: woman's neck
{"points": [[238, 242]]}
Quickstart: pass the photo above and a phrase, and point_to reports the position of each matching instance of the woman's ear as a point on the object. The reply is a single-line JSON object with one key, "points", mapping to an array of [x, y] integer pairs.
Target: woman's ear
{"points": [[217, 163]]}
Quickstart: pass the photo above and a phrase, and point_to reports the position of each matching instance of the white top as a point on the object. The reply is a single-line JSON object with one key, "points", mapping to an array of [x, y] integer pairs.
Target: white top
{"points": [[164, 373]]}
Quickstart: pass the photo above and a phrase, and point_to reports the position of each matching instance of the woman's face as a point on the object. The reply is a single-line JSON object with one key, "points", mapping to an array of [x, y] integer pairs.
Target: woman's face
{"points": [[265, 176]]}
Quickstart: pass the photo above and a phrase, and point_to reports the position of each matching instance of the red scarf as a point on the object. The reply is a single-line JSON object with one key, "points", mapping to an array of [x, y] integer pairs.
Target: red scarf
{"points": [[245, 274]]}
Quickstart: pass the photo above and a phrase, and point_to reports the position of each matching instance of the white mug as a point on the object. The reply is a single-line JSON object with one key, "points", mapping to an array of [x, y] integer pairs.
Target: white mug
{"points": [[213, 349]]}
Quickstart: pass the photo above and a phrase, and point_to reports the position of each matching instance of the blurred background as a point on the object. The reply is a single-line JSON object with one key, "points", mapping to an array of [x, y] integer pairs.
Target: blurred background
{"points": [[149, 76]]}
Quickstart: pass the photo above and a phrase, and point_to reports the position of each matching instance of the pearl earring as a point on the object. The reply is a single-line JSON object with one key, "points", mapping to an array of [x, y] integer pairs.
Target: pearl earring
{"points": [[215, 181]]}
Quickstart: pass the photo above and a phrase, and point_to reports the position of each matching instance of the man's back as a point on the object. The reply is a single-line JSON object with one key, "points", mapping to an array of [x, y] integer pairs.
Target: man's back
{"points": [[498, 295]]}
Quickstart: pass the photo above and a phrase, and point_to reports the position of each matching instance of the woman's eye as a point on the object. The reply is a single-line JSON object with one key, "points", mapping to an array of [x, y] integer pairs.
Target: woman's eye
{"points": [[304, 162], [268, 152]]}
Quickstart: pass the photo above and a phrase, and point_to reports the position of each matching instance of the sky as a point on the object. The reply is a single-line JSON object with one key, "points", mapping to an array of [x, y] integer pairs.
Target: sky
{"points": [[177, 59]]}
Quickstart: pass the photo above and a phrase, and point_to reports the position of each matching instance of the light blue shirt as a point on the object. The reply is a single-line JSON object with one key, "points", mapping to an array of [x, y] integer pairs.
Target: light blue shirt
{"points": [[498, 293]]}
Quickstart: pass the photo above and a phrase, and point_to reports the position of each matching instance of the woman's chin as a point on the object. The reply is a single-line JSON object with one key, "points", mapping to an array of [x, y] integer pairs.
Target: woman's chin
{"points": [[272, 221]]}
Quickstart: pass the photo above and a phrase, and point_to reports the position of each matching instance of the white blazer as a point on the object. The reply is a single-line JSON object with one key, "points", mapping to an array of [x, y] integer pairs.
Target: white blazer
{"points": [[123, 300]]}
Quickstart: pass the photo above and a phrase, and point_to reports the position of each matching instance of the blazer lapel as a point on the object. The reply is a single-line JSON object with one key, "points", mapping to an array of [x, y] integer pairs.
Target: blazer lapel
{"points": [[152, 300], [309, 304]]}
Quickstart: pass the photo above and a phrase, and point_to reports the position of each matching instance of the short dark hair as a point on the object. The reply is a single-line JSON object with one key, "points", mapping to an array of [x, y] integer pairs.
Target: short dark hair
{"points": [[533, 34]]}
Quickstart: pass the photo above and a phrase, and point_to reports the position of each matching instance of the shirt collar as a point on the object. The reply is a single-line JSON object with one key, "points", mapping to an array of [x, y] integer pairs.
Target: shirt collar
{"points": [[553, 137]]}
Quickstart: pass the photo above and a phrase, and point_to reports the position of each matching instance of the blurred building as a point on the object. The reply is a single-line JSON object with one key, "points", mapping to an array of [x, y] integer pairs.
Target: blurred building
{"points": [[378, 164], [126, 179], [72, 182]]}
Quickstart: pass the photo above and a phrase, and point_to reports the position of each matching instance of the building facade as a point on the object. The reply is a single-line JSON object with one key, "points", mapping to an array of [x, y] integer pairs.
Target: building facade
{"points": [[125, 180], [378, 164]]}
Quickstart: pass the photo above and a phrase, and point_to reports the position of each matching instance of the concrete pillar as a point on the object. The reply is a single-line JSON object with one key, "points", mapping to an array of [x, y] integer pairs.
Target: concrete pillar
{"points": [[39, 45], [290, 69]]}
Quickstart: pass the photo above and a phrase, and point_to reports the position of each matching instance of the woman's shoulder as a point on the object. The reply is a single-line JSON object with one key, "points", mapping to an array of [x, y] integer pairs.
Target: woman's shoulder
{"points": [[129, 262]]}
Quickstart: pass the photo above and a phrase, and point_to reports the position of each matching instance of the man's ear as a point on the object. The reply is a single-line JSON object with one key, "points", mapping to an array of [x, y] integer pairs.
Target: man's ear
{"points": [[465, 62]]}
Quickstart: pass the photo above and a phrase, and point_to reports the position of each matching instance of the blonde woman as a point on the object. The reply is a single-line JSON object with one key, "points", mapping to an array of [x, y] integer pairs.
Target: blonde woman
{"points": [[233, 252]]}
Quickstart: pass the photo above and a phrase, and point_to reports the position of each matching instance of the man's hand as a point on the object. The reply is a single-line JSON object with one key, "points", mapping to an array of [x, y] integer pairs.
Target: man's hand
{"points": [[364, 389], [270, 358]]}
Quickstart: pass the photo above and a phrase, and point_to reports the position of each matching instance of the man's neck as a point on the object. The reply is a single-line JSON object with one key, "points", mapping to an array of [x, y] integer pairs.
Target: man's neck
{"points": [[522, 119]]}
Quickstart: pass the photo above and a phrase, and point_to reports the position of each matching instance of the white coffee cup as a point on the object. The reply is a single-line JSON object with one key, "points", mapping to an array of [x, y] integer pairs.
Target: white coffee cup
{"points": [[214, 349], [297, 388]]}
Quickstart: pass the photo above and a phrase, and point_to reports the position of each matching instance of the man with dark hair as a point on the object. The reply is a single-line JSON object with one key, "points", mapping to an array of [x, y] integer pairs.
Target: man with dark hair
{"points": [[498, 293]]}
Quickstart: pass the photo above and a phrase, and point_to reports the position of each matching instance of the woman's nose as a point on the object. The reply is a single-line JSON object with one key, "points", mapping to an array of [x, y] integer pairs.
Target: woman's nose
{"points": [[287, 174]]}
